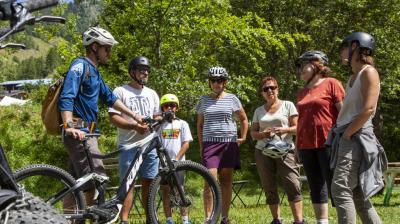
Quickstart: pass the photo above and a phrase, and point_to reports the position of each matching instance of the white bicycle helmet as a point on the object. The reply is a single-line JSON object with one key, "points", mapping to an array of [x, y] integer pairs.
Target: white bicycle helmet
{"points": [[98, 35], [276, 148], [218, 72]]}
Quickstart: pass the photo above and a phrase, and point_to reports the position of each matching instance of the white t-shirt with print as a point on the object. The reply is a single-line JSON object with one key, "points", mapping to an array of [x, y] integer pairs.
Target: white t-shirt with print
{"points": [[278, 119], [142, 101], [173, 135]]}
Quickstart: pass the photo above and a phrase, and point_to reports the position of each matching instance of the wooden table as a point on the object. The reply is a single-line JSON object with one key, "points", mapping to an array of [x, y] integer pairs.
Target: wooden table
{"points": [[390, 178]]}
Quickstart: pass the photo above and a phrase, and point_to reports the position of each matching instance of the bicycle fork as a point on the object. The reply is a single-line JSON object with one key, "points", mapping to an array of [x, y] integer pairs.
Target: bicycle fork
{"points": [[168, 172]]}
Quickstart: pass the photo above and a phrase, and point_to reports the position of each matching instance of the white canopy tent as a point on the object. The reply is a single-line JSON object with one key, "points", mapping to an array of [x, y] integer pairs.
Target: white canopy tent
{"points": [[7, 101]]}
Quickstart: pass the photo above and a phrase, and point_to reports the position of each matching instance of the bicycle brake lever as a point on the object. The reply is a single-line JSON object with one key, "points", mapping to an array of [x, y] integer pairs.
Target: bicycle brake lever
{"points": [[148, 120], [51, 19], [13, 45]]}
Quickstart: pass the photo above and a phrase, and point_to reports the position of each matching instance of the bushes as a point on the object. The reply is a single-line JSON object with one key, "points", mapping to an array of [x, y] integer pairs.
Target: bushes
{"points": [[24, 139]]}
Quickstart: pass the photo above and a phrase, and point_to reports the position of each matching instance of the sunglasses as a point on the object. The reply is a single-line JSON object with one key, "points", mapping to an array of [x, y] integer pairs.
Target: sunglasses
{"points": [[143, 69], [266, 88], [217, 80], [172, 105]]}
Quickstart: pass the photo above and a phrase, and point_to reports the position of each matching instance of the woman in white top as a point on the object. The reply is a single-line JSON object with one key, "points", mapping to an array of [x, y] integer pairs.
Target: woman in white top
{"points": [[274, 121], [355, 119]]}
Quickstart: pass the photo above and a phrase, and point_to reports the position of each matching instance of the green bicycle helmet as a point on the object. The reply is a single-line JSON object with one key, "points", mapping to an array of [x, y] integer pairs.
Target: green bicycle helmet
{"points": [[169, 98]]}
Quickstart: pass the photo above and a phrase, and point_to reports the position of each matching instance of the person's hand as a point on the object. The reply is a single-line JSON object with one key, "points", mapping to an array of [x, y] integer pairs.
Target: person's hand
{"points": [[75, 133], [297, 158], [139, 118], [240, 141], [346, 136], [280, 130], [267, 133], [141, 128]]}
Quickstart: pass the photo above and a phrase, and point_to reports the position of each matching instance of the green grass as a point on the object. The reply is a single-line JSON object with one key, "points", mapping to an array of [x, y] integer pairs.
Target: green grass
{"points": [[260, 214]]}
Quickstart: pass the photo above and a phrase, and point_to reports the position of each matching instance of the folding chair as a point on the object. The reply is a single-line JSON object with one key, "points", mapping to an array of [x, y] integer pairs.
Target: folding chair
{"points": [[236, 188]]}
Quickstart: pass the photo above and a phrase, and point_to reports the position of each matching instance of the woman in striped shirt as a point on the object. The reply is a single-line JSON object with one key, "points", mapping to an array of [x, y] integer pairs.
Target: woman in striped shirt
{"points": [[218, 138]]}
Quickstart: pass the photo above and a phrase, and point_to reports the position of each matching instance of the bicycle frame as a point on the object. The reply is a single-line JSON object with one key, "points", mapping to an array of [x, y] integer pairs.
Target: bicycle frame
{"points": [[7, 180], [143, 147]]}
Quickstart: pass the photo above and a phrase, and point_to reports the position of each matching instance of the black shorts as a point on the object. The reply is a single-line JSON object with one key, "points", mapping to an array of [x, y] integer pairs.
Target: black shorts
{"points": [[316, 167]]}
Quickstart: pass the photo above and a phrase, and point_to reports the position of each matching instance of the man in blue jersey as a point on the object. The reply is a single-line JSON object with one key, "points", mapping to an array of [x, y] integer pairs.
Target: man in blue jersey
{"points": [[78, 103]]}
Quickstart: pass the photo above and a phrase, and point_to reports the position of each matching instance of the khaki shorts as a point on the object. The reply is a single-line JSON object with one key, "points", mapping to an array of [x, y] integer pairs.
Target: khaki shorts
{"points": [[78, 159], [283, 170]]}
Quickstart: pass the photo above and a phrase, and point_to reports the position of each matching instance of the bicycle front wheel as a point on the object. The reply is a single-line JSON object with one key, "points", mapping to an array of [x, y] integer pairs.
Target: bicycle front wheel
{"points": [[49, 182], [192, 177]]}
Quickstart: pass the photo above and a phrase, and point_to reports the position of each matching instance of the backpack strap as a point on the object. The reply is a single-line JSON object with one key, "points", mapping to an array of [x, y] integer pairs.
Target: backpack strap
{"points": [[87, 72]]}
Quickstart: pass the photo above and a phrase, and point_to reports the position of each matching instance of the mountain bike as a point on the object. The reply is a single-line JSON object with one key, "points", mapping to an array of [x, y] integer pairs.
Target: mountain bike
{"points": [[188, 195], [17, 205]]}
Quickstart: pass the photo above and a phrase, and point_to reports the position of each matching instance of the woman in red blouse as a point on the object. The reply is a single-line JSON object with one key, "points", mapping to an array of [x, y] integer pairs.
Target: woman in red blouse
{"points": [[318, 104]]}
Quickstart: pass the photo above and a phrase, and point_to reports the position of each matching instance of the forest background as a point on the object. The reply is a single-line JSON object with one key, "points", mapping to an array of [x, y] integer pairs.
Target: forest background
{"points": [[183, 38]]}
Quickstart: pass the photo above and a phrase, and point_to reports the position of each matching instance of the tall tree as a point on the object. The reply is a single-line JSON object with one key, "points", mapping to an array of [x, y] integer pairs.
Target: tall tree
{"points": [[184, 38]]}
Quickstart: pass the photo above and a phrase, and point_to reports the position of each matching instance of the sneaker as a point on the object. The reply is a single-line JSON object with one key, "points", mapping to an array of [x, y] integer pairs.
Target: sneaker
{"points": [[299, 222], [225, 220], [276, 221], [170, 222], [187, 222]]}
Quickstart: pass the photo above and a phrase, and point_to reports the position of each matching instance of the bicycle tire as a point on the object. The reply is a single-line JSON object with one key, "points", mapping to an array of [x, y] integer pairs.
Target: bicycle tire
{"points": [[58, 179], [196, 169], [23, 216], [30, 209]]}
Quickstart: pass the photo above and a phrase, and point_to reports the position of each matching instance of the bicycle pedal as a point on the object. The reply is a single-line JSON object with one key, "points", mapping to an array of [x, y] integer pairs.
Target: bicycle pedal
{"points": [[107, 215], [117, 215]]}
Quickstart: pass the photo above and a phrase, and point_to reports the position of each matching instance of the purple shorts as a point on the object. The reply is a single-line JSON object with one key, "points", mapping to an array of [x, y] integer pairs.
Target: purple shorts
{"points": [[221, 155]]}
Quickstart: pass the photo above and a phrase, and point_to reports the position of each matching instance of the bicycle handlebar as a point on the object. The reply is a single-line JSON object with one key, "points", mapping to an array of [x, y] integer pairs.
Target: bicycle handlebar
{"points": [[19, 15], [9, 9], [35, 5], [152, 122]]}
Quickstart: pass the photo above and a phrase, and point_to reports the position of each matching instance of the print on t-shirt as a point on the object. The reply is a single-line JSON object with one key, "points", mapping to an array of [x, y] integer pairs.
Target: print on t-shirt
{"points": [[170, 133], [141, 105]]}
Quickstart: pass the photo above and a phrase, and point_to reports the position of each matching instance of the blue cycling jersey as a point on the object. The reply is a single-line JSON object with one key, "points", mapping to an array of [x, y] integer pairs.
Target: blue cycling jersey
{"points": [[81, 91]]}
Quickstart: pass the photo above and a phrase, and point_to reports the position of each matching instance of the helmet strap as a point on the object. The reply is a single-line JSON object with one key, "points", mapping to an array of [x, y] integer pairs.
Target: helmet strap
{"points": [[137, 80], [218, 94], [350, 56], [313, 75], [95, 52]]}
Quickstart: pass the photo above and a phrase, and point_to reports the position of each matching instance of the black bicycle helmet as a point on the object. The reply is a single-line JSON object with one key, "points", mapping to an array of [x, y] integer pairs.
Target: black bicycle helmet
{"points": [[365, 41], [218, 72], [140, 60], [312, 55]]}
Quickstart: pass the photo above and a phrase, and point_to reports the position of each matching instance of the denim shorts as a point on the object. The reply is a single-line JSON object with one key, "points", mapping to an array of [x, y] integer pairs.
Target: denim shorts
{"points": [[148, 169]]}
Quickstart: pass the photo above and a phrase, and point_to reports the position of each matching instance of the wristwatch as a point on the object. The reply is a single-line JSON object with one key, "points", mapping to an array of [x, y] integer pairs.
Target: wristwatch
{"points": [[68, 124]]}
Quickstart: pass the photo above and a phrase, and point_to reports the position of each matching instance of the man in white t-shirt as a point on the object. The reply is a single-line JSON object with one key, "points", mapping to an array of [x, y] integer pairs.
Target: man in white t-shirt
{"points": [[175, 137], [144, 101]]}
